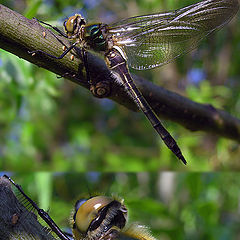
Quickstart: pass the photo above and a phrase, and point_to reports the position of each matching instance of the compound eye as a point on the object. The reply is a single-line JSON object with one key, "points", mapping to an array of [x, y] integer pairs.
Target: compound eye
{"points": [[88, 211], [70, 24], [79, 203]]}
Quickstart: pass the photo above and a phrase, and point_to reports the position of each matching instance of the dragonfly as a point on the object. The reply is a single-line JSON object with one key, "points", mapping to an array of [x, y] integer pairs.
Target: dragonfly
{"points": [[96, 218], [146, 42]]}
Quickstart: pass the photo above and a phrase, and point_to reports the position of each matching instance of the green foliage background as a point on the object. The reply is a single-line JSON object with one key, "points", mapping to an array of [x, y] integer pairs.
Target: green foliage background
{"points": [[179, 206], [48, 123]]}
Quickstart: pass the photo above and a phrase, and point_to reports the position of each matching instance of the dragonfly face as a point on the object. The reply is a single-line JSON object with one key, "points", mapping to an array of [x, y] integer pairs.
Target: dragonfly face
{"points": [[96, 218], [105, 218], [99, 218], [73, 26]]}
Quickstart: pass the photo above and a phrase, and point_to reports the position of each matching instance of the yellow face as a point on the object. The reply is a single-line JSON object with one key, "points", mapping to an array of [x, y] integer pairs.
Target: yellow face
{"points": [[105, 218], [73, 24], [69, 23], [89, 210]]}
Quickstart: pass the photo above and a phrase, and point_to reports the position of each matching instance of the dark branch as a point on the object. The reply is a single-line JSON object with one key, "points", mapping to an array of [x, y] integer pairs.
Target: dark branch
{"points": [[19, 35]]}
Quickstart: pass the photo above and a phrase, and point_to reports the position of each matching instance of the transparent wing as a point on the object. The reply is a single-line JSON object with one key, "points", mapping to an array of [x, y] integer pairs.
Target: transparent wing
{"points": [[154, 40]]}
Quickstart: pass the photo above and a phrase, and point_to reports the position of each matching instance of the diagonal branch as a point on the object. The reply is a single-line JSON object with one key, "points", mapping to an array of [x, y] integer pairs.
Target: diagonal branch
{"points": [[20, 35]]}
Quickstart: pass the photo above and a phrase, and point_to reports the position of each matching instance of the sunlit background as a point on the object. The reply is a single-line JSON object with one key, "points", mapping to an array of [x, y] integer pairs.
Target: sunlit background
{"points": [[180, 206], [47, 123]]}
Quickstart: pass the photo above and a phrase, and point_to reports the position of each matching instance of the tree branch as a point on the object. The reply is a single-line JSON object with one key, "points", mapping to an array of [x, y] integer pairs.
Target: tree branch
{"points": [[16, 222], [19, 35]]}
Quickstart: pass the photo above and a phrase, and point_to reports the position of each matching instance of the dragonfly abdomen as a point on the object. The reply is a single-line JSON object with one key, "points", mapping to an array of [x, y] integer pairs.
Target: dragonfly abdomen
{"points": [[117, 63]]}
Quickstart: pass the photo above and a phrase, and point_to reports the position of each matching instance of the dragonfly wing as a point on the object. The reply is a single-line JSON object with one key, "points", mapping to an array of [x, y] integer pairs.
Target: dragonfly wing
{"points": [[154, 40]]}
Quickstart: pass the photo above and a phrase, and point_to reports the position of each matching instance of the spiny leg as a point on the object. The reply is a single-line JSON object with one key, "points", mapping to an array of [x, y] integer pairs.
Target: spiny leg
{"points": [[62, 34], [52, 56], [81, 53], [44, 215], [55, 28]]}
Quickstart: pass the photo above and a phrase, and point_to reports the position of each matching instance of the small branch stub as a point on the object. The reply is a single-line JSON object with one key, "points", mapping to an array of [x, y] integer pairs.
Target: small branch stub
{"points": [[101, 89]]}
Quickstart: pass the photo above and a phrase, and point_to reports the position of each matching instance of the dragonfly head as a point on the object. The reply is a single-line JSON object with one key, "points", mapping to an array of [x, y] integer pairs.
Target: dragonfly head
{"points": [[72, 26], [99, 217]]}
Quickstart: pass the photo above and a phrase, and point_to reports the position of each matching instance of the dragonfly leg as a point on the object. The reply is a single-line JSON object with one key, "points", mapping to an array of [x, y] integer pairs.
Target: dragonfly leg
{"points": [[44, 215], [85, 62], [55, 28], [62, 34], [52, 56], [100, 89]]}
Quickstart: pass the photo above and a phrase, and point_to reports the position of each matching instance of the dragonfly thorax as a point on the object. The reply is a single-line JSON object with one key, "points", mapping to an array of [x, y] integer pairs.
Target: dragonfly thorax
{"points": [[90, 36], [95, 38]]}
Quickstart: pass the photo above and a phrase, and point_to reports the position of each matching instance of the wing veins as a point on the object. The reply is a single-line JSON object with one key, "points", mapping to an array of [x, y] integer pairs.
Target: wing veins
{"points": [[168, 35]]}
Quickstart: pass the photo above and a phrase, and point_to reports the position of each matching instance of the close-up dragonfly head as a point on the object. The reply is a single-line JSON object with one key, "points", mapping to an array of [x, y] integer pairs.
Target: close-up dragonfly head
{"points": [[73, 24], [99, 217]]}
